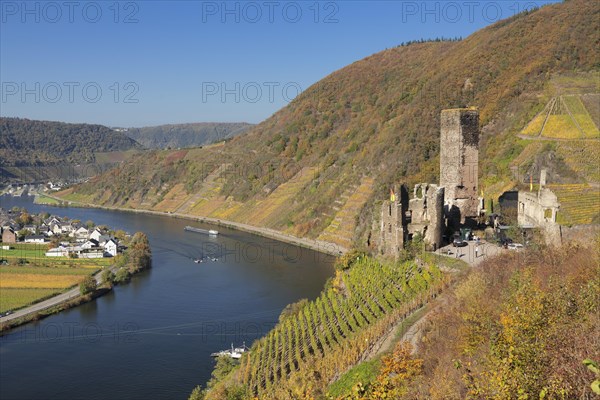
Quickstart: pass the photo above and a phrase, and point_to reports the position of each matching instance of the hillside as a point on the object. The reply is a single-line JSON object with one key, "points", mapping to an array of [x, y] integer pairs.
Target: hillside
{"points": [[324, 161], [38, 150], [30, 142], [518, 327], [185, 135], [315, 341]]}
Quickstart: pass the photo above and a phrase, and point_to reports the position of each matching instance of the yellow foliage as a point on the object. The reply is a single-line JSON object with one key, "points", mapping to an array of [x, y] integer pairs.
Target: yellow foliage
{"points": [[38, 281]]}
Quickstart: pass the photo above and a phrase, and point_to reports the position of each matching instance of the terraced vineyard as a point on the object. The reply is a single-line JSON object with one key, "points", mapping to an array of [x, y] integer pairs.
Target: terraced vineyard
{"points": [[565, 117], [579, 204], [341, 229], [332, 333], [582, 157], [273, 207]]}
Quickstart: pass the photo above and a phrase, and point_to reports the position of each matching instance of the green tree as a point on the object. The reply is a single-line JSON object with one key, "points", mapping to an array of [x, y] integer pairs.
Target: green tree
{"points": [[122, 275], [139, 253], [197, 394], [88, 285], [22, 233], [108, 277]]}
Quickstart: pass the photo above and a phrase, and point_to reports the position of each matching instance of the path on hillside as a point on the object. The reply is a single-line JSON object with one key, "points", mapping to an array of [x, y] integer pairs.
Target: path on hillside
{"points": [[545, 138], [414, 332]]}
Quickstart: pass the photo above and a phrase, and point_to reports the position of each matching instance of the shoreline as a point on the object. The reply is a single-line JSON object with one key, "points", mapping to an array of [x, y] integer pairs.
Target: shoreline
{"points": [[63, 301], [312, 244]]}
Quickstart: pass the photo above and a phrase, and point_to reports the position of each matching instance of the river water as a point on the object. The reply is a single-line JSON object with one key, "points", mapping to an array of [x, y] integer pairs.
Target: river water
{"points": [[152, 338]]}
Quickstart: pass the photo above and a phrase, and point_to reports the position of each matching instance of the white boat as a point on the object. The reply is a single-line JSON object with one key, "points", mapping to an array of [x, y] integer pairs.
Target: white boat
{"points": [[210, 232], [235, 353]]}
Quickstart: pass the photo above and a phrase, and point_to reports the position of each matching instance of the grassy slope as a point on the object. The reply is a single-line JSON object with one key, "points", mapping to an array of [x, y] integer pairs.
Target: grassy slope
{"points": [[518, 327], [377, 118]]}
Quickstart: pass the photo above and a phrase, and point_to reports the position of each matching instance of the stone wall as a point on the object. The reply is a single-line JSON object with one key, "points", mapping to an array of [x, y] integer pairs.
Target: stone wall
{"points": [[426, 209], [539, 209]]}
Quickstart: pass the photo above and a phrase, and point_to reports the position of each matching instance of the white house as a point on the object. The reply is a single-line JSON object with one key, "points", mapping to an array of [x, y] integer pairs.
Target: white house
{"points": [[66, 228], [44, 230], [103, 239], [111, 247], [91, 254], [57, 252], [35, 239], [53, 221], [30, 228], [96, 234], [56, 229], [81, 232], [90, 244]]}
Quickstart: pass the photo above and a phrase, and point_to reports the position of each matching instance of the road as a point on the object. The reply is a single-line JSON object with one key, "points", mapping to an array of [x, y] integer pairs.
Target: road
{"points": [[51, 302], [468, 254]]}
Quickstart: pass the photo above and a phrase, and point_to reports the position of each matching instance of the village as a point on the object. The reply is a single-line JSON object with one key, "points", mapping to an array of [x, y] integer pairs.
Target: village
{"points": [[64, 237]]}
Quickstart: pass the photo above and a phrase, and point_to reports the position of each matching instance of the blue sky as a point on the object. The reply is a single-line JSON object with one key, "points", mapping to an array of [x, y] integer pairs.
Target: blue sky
{"points": [[142, 63]]}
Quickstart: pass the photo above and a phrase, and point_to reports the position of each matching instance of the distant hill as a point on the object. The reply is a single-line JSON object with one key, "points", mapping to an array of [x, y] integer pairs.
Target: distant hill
{"points": [[29, 147], [29, 142], [185, 135], [319, 166]]}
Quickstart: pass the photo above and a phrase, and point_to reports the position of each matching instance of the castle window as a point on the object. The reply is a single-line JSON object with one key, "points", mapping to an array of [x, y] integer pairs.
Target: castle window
{"points": [[389, 228]]}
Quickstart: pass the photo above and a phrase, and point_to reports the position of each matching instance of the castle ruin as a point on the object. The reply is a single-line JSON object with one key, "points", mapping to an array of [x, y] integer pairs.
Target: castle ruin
{"points": [[402, 219], [539, 209], [434, 207]]}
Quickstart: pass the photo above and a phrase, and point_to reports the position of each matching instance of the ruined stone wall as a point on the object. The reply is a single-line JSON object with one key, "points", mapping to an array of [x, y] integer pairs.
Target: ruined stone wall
{"points": [[391, 237], [537, 208], [540, 209], [427, 214], [459, 159]]}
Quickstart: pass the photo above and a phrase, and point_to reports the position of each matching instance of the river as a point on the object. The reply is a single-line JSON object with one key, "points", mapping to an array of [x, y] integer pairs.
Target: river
{"points": [[152, 338]]}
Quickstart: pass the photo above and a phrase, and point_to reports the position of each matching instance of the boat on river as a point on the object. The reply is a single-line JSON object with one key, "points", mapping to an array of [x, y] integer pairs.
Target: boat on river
{"points": [[210, 232], [234, 352]]}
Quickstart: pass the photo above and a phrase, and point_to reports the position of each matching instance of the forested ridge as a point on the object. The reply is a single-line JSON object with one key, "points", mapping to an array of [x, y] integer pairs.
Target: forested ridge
{"points": [[25, 142]]}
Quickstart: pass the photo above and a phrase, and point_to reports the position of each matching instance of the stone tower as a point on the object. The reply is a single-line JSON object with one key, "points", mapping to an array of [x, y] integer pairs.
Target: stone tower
{"points": [[393, 223], [459, 159]]}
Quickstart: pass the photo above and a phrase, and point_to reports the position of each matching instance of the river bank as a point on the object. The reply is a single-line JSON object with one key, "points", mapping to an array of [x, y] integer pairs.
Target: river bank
{"points": [[312, 244], [48, 307], [177, 311]]}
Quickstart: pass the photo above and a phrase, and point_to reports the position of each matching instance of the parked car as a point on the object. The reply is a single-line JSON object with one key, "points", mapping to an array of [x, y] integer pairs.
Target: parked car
{"points": [[515, 246], [459, 242]]}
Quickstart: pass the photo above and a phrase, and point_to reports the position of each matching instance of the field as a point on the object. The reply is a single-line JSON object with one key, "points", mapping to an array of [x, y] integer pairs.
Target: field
{"points": [[566, 117], [32, 277], [11, 299], [41, 199]]}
